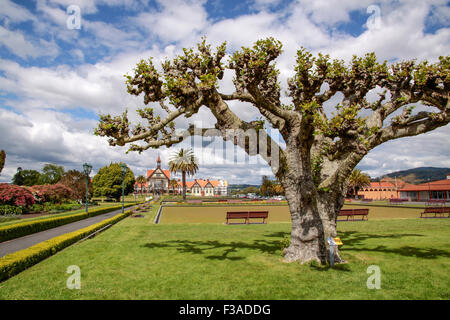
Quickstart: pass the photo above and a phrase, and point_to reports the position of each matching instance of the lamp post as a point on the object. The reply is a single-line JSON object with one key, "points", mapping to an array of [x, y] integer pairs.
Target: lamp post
{"points": [[87, 170], [124, 168]]}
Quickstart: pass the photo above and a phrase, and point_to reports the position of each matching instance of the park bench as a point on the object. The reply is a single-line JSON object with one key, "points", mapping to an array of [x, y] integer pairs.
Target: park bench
{"points": [[247, 215], [441, 211], [351, 213], [432, 202], [397, 200]]}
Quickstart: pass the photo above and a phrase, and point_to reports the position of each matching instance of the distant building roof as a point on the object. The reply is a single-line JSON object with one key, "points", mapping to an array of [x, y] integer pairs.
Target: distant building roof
{"points": [[166, 172], [440, 185]]}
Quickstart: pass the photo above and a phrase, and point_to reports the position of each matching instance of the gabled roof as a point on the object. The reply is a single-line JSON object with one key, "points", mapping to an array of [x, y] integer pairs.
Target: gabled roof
{"points": [[189, 184], [203, 183], [150, 173]]}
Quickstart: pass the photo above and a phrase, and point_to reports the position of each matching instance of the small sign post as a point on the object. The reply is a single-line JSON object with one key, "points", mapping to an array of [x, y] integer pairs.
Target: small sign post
{"points": [[333, 242]]}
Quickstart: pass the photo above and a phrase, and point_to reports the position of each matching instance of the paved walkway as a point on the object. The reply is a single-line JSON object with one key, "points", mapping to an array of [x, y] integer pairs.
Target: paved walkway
{"points": [[21, 243]]}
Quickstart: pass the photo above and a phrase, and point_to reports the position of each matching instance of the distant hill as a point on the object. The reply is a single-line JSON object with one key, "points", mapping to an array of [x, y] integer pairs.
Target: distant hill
{"points": [[418, 175]]}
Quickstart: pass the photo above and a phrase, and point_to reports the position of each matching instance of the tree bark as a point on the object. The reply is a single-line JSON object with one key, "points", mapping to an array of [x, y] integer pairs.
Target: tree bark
{"points": [[329, 204], [183, 176], [307, 241]]}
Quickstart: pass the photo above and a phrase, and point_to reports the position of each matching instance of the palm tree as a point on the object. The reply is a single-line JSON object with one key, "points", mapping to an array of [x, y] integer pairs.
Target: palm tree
{"points": [[358, 180], [173, 184], [141, 180], [183, 161]]}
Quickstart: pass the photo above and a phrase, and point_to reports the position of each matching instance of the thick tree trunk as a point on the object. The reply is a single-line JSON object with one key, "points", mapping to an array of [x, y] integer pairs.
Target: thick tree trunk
{"points": [[307, 241], [313, 216], [183, 178], [329, 205]]}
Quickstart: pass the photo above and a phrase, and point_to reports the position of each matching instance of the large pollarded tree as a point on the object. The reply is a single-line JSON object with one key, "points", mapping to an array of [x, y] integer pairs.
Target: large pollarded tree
{"points": [[321, 149]]}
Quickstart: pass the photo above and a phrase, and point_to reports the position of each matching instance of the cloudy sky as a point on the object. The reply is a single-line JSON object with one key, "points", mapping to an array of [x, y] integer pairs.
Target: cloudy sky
{"points": [[62, 63]]}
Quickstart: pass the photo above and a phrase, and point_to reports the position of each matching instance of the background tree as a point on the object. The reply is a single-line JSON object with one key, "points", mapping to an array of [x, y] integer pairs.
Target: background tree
{"points": [[2, 159], [76, 181], [141, 180], [358, 180], [267, 187], [321, 149], [173, 184], [51, 173], [183, 161], [250, 189], [26, 177], [108, 182], [278, 189]]}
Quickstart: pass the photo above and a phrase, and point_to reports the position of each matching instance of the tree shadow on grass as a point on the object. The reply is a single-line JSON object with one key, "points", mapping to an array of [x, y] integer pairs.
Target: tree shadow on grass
{"points": [[202, 247], [327, 267], [408, 251], [353, 239], [273, 247]]}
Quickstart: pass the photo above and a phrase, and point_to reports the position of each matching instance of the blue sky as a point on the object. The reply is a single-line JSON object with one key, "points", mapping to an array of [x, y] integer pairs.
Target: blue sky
{"points": [[54, 81]]}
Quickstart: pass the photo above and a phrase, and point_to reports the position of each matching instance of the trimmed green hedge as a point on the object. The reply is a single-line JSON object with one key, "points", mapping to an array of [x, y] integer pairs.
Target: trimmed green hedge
{"points": [[25, 228], [16, 262]]}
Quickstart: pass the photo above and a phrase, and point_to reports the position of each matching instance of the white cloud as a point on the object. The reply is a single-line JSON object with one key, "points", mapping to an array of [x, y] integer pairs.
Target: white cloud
{"points": [[44, 93], [21, 47], [14, 13], [177, 20]]}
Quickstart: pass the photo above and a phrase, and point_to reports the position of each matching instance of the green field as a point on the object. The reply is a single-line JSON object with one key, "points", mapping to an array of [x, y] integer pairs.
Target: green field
{"points": [[136, 259], [208, 214]]}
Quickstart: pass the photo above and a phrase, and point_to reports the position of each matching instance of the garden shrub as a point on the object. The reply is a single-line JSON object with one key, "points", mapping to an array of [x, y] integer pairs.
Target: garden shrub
{"points": [[16, 262], [15, 195], [36, 208], [55, 193], [7, 209]]}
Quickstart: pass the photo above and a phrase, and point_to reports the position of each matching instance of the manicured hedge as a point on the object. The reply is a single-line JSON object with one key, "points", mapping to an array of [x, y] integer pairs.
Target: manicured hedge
{"points": [[16, 262], [25, 228]]}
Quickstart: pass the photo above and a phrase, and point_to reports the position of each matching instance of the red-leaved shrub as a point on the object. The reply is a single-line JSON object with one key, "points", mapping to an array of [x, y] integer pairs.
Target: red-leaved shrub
{"points": [[15, 195], [55, 193]]}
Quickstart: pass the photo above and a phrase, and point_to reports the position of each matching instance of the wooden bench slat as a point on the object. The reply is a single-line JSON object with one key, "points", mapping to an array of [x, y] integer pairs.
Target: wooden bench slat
{"points": [[435, 210], [247, 215], [354, 212]]}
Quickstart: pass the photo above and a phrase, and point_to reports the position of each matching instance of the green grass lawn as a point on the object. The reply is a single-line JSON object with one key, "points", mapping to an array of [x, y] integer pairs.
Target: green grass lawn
{"points": [[277, 213], [136, 259]]}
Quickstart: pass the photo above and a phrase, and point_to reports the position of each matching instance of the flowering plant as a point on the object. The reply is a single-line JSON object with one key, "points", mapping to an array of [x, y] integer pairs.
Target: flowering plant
{"points": [[15, 195], [55, 193]]}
